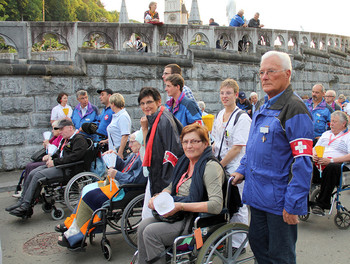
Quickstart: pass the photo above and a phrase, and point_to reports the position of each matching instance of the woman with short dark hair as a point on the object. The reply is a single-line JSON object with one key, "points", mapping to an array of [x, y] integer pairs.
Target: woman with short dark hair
{"points": [[62, 110]]}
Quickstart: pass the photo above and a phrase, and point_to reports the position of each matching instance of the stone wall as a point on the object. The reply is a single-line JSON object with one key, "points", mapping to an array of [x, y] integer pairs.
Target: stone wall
{"points": [[28, 88]]}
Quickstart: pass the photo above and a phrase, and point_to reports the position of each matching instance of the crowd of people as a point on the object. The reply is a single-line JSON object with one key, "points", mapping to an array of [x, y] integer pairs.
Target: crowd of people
{"points": [[266, 144]]}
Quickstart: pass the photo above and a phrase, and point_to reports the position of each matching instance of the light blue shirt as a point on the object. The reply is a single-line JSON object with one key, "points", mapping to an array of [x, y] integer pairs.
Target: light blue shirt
{"points": [[119, 126]]}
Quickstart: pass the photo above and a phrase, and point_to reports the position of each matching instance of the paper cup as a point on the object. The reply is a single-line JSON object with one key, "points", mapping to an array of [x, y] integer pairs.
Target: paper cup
{"points": [[51, 149], [208, 121], [164, 203], [319, 151], [47, 135]]}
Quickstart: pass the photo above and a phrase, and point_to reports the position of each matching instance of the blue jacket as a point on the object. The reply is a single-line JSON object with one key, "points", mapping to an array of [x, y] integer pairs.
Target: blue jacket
{"points": [[321, 116], [104, 119], [277, 164], [90, 116], [133, 170], [185, 110], [236, 21]]}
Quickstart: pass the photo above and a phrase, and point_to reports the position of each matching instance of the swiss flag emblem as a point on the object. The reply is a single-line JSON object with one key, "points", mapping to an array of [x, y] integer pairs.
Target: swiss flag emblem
{"points": [[301, 147], [170, 157], [106, 117]]}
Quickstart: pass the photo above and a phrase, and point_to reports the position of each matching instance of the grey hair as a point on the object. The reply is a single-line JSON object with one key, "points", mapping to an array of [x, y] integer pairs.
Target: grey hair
{"points": [[55, 123], [342, 117], [320, 84], [332, 92], [284, 58], [253, 93], [201, 105], [81, 93]]}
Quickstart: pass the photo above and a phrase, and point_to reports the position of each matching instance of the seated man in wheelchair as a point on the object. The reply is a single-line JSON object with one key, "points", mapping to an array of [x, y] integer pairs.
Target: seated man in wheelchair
{"points": [[72, 148], [197, 174], [327, 169], [96, 194]]}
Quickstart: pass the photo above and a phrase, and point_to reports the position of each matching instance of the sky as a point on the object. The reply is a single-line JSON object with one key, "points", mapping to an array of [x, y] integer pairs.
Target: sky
{"points": [[301, 15]]}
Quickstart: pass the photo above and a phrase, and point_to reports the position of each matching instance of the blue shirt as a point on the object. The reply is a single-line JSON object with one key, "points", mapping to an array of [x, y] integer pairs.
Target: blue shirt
{"points": [[104, 119], [119, 126], [236, 21], [185, 110]]}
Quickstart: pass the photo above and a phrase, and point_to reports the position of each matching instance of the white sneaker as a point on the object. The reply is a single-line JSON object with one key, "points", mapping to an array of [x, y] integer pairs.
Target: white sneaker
{"points": [[17, 195]]}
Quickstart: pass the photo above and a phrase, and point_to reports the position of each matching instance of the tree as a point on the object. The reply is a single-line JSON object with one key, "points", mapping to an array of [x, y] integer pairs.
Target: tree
{"points": [[3, 16]]}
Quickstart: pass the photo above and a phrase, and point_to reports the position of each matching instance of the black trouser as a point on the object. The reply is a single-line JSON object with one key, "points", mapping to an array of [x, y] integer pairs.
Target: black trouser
{"points": [[330, 179]]}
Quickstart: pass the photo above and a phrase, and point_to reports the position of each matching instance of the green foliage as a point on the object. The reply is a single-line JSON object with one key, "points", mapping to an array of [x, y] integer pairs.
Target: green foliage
{"points": [[5, 48], [48, 43], [96, 42], [56, 10]]}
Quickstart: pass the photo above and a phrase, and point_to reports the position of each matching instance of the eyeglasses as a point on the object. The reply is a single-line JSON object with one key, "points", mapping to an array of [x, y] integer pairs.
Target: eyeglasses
{"points": [[268, 73], [192, 142], [329, 96], [226, 93], [146, 103]]}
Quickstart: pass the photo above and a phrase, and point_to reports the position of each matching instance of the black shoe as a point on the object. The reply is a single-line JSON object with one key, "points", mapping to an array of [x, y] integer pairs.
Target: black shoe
{"points": [[63, 242], [234, 250], [61, 228], [317, 210], [14, 206], [24, 211]]}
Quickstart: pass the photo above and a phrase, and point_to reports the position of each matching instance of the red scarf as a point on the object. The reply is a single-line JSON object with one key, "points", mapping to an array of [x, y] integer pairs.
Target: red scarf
{"points": [[148, 152]]}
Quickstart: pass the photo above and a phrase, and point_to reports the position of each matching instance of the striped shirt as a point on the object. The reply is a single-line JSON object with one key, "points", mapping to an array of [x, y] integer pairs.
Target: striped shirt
{"points": [[335, 145]]}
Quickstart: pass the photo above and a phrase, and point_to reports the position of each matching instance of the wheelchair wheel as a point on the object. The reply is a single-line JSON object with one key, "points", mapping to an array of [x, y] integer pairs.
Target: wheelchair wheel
{"points": [[342, 220], [218, 247], [75, 186], [131, 219], [47, 207], [304, 217], [57, 214], [106, 249]]}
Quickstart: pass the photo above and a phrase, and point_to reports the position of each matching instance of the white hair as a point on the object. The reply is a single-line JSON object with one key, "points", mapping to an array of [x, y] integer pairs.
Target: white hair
{"points": [[253, 94], [284, 58]]}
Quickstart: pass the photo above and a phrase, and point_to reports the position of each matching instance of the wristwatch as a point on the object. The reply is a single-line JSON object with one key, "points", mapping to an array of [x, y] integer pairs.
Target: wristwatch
{"points": [[332, 160]]}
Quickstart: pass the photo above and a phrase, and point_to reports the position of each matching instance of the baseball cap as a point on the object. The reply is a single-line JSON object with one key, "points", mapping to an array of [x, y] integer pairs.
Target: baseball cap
{"points": [[109, 91], [64, 122], [241, 95]]}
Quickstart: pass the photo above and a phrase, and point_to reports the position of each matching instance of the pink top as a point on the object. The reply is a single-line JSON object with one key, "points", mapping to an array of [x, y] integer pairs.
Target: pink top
{"points": [[55, 140]]}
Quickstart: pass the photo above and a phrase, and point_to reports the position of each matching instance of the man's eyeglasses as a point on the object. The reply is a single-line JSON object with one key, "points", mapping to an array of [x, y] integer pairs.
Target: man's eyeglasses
{"points": [[329, 96], [268, 73], [146, 103], [192, 142]]}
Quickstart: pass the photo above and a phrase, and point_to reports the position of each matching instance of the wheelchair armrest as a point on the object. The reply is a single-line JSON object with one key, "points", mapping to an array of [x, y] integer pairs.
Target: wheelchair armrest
{"points": [[200, 216], [68, 165], [132, 185]]}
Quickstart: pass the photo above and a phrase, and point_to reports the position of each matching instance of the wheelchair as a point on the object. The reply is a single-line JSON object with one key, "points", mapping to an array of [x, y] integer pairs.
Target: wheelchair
{"points": [[342, 217], [122, 216], [216, 231], [66, 190]]}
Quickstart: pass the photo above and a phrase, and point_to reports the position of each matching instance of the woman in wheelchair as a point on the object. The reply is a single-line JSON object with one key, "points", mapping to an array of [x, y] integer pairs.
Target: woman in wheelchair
{"points": [[197, 174], [96, 194], [337, 150]]}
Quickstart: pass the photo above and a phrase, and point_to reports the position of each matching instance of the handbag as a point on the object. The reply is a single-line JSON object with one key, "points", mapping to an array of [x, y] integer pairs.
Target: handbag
{"points": [[38, 155], [178, 216]]}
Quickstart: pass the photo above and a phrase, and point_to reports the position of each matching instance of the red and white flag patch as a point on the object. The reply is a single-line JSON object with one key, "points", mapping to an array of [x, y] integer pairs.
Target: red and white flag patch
{"points": [[170, 157], [301, 147]]}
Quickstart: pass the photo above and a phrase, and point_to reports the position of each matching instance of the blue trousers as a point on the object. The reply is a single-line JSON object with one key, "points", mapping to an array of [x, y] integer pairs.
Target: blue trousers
{"points": [[271, 239]]}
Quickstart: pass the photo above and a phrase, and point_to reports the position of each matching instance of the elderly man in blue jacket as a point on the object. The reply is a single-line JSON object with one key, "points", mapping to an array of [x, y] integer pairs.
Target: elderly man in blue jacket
{"points": [[277, 166]]}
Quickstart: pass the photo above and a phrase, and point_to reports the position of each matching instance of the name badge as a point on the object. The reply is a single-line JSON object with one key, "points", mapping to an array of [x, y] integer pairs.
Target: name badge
{"points": [[264, 130]]}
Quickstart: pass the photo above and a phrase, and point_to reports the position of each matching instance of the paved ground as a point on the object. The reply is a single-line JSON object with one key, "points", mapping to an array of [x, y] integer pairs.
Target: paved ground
{"points": [[34, 240]]}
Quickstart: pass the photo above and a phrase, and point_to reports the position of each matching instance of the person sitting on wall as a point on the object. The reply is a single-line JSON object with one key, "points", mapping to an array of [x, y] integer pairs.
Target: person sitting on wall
{"points": [[151, 15], [255, 22]]}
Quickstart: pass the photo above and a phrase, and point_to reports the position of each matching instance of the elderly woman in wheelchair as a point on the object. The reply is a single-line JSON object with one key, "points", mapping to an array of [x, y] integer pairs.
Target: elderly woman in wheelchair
{"points": [[197, 186], [96, 194], [335, 145]]}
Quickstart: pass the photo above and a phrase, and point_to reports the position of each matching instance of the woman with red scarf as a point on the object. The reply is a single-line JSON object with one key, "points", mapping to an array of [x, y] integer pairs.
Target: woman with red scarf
{"points": [[151, 15]]}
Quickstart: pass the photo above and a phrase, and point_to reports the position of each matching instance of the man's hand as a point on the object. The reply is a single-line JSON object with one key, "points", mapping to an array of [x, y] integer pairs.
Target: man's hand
{"points": [[290, 219], [237, 178]]}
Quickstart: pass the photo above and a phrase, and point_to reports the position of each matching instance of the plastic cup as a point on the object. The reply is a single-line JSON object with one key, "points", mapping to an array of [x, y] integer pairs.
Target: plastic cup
{"points": [[319, 151], [65, 111], [208, 121]]}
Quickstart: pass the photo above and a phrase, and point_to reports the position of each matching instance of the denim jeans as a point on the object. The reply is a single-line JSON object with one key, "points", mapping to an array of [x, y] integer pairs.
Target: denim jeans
{"points": [[271, 239]]}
